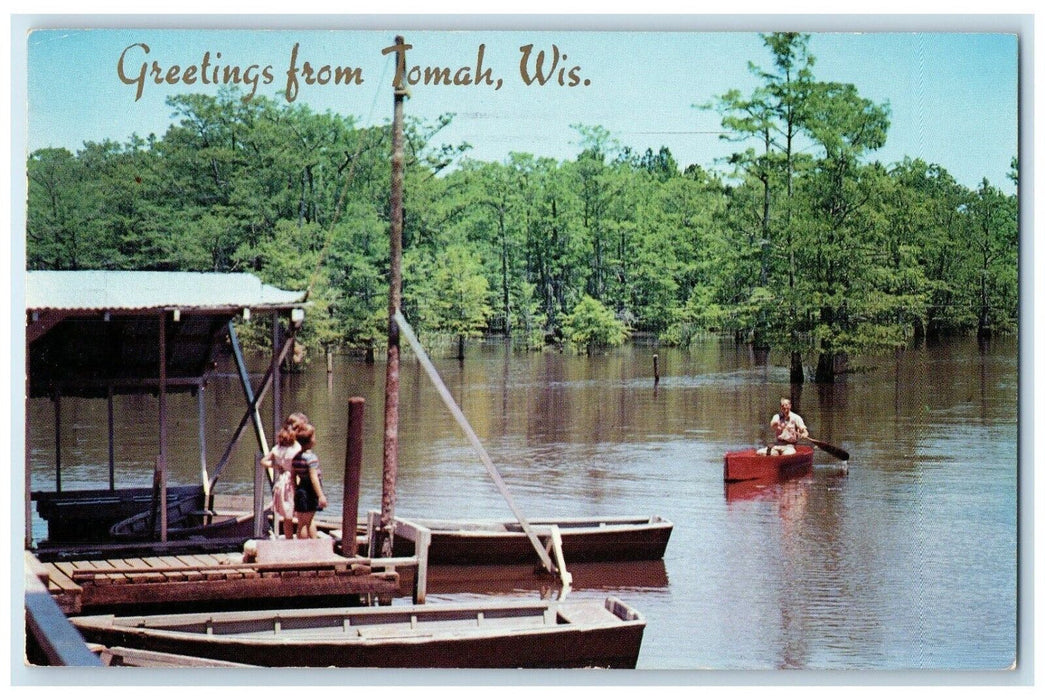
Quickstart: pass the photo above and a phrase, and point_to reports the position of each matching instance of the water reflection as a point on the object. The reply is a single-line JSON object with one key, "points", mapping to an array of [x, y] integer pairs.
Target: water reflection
{"points": [[617, 578], [765, 489]]}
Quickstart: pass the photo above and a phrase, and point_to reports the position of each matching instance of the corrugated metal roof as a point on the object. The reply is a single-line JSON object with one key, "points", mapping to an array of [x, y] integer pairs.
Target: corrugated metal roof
{"points": [[113, 290]]}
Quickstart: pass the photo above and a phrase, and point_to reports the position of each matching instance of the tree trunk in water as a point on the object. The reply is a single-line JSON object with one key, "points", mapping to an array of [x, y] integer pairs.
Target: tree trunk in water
{"points": [[919, 331], [797, 372], [983, 328], [825, 368], [758, 339]]}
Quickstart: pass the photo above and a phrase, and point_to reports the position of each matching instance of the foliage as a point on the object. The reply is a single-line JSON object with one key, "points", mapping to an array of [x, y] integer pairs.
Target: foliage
{"points": [[448, 291], [591, 325]]}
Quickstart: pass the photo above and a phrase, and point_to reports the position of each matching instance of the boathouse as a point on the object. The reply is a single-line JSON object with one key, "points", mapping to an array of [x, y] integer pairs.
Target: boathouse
{"points": [[96, 334]]}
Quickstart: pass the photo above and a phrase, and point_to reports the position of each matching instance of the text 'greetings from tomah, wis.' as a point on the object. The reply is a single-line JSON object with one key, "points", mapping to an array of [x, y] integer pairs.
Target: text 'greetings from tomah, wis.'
{"points": [[538, 67]]}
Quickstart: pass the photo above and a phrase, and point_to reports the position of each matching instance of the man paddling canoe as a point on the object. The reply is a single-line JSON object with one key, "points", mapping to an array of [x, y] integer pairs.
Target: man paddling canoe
{"points": [[789, 429]]}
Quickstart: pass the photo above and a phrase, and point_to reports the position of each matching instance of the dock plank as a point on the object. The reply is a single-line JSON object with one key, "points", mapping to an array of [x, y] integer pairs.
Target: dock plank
{"points": [[215, 568], [137, 575], [191, 568], [104, 572], [172, 569], [56, 578], [198, 561], [66, 567], [216, 559]]}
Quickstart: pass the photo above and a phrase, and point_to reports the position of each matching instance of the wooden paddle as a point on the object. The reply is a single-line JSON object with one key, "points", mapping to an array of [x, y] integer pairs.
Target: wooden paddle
{"points": [[830, 449]]}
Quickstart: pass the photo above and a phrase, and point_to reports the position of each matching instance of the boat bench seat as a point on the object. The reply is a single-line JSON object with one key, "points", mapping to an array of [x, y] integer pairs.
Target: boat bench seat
{"points": [[584, 615]]}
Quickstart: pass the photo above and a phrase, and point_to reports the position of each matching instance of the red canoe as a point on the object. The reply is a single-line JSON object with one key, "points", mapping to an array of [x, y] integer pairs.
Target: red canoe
{"points": [[748, 464]]}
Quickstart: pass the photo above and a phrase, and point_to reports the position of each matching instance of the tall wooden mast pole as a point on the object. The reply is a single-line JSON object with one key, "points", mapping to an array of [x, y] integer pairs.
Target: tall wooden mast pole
{"points": [[395, 293]]}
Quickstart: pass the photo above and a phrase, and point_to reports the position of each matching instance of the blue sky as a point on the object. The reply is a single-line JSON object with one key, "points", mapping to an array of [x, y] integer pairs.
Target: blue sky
{"points": [[953, 95]]}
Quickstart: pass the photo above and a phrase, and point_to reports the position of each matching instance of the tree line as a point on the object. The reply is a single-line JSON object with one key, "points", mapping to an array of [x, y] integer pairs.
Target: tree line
{"points": [[800, 243]]}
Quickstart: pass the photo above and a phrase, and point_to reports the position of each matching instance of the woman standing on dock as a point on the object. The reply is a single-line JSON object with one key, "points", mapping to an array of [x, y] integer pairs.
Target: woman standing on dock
{"points": [[308, 496]]}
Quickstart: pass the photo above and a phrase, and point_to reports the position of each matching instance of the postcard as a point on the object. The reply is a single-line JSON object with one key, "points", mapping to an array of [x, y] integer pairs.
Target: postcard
{"points": [[684, 348]]}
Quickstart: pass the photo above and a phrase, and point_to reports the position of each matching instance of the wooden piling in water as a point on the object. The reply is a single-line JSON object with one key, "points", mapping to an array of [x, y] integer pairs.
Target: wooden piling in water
{"points": [[656, 370], [353, 470]]}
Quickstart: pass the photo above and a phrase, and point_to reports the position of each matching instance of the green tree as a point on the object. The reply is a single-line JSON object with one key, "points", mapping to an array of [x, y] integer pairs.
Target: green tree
{"points": [[994, 254], [773, 116], [490, 221], [448, 292], [555, 251], [597, 187], [840, 191], [810, 294], [56, 238], [591, 325], [355, 263]]}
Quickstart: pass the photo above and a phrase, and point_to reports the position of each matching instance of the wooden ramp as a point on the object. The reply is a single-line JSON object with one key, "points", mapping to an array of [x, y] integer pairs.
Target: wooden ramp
{"points": [[79, 586]]}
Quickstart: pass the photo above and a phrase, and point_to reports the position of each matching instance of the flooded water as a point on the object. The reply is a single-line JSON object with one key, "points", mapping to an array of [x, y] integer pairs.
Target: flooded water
{"points": [[907, 560]]}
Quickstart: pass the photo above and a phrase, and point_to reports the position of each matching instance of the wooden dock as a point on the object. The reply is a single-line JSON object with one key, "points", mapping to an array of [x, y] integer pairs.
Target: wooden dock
{"points": [[109, 584]]}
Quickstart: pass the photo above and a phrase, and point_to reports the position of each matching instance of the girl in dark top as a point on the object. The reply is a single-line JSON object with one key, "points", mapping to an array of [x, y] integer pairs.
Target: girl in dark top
{"points": [[308, 496]]}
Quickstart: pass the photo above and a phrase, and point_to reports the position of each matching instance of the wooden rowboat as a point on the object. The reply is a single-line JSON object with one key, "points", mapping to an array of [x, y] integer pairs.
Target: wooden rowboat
{"points": [[544, 634], [465, 542], [188, 518], [748, 464]]}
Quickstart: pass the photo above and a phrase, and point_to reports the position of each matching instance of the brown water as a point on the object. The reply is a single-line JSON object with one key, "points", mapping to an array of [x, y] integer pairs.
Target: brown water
{"points": [[906, 561]]}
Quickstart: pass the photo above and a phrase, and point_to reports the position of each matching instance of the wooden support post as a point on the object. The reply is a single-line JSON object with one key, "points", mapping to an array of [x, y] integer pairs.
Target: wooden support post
{"points": [[277, 378], [201, 411], [656, 370], [248, 390], [373, 525], [162, 463], [421, 544], [112, 446], [421, 536], [353, 470], [390, 463], [57, 442], [154, 503], [260, 490]]}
